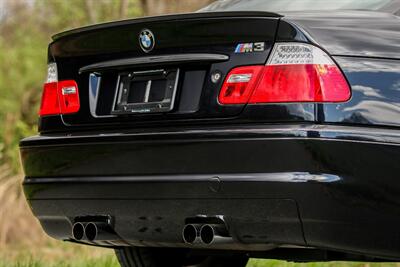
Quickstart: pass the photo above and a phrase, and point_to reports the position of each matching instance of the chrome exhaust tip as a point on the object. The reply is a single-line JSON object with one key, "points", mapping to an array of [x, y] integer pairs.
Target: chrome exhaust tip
{"points": [[207, 234], [91, 231], [78, 231], [190, 233], [100, 231], [215, 234]]}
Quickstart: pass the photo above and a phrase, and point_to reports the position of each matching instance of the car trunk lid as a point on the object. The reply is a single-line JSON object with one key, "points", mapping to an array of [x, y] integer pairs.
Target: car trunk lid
{"points": [[190, 51]]}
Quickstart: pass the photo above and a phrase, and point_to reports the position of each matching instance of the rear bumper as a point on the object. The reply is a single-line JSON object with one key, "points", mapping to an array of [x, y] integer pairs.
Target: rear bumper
{"points": [[320, 186]]}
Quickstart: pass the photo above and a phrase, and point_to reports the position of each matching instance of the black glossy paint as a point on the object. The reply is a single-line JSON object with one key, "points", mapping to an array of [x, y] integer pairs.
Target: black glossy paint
{"points": [[351, 33], [359, 44], [323, 176], [375, 93], [153, 61], [330, 173], [204, 33], [367, 50]]}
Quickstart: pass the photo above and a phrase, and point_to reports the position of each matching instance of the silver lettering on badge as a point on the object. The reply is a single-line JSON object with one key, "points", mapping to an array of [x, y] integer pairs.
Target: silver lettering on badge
{"points": [[259, 47]]}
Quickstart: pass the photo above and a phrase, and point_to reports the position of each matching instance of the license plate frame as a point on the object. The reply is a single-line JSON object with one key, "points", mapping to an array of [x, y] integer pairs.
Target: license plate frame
{"points": [[163, 82]]}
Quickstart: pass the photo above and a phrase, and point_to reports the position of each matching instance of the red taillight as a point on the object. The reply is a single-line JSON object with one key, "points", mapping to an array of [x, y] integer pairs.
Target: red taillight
{"points": [[50, 104], [295, 73], [239, 85], [68, 96], [301, 83], [60, 98]]}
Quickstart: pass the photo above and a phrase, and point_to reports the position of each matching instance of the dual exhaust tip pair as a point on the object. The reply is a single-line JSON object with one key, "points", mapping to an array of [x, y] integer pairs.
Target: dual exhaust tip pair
{"points": [[206, 234], [192, 233], [91, 231]]}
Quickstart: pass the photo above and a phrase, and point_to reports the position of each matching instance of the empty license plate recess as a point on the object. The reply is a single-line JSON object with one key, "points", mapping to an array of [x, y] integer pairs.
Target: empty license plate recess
{"points": [[146, 91]]}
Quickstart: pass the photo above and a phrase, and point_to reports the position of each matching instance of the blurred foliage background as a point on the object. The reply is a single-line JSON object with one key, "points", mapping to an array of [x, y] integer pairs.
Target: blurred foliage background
{"points": [[26, 27]]}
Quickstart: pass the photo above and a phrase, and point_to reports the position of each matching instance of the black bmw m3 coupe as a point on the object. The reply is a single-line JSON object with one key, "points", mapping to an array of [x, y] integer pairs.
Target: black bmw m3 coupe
{"points": [[251, 128]]}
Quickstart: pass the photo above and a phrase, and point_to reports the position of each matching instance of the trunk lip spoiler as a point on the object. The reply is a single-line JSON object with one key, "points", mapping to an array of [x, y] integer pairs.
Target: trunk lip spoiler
{"points": [[150, 60], [173, 17]]}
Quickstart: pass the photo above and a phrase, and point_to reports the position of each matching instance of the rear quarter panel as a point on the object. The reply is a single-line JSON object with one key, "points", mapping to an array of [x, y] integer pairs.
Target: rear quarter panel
{"points": [[366, 46], [375, 85], [348, 33]]}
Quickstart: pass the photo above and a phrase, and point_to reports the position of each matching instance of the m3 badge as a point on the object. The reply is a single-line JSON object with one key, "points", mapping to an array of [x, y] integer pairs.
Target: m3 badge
{"points": [[250, 47]]}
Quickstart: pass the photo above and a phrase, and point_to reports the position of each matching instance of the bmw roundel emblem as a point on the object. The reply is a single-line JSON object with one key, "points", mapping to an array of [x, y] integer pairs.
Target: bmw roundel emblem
{"points": [[146, 40]]}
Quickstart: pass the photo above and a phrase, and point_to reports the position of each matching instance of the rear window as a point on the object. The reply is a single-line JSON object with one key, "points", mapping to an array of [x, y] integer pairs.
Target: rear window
{"points": [[297, 5]]}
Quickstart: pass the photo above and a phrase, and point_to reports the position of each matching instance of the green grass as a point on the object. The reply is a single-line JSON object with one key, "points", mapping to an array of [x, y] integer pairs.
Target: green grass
{"points": [[68, 255], [265, 263], [104, 261], [110, 261], [56, 254]]}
